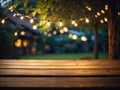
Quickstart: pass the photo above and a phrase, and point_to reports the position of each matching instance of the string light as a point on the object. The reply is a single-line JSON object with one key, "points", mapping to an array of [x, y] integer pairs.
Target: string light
{"points": [[3, 21], [73, 22], [22, 17], [105, 19], [22, 33], [98, 13], [54, 32], [34, 27], [31, 20], [119, 13], [87, 20], [4, 1], [61, 31], [70, 35], [15, 34], [65, 29], [83, 38], [101, 21], [106, 7], [96, 16], [14, 15], [74, 37], [49, 35], [88, 8], [102, 11], [60, 23], [45, 33], [48, 23]]}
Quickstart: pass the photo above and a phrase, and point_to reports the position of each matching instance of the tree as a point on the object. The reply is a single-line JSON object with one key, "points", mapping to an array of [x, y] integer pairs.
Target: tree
{"points": [[114, 30]]}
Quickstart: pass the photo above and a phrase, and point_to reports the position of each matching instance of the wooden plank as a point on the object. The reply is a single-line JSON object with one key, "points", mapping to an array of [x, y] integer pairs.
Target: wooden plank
{"points": [[60, 82], [60, 72], [60, 62]]}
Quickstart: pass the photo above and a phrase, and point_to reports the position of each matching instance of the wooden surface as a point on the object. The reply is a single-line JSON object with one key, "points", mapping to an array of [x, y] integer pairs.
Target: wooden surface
{"points": [[62, 73]]}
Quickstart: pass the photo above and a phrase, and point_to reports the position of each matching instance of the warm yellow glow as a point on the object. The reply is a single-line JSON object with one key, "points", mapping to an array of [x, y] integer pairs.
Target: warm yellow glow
{"points": [[18, 43], [54, 32], [83, 38], [14, 15], [101, 21], [16, 33], [10, 8], [105, 19], [25, 43], [31, 20], [88, 8], [61, 31], [75, 24], [4, 1], [48, 23], [96, 16], [98, 13], [34, 27], [60, 23], [119, 13], [87, 20], [106, 7], [102, 11], [73, 21], [74, 37], [22, 17], [70, 35], [65, 29], [49, 35], [22, 33], [45, 33], [3, 21]]}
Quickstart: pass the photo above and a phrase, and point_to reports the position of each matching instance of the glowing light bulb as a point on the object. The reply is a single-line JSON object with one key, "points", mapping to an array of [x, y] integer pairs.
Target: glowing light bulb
{"points": [[31, 20], [70, 35], [74, 37], [4, 1], [15, 34], [119, 13], [96, 16], [105, 19], [102, 11], [3, 21], [48, 23], [101, 21], [54, 32], [49, 35], [22, 17], [75, 24], [73, 21], [61, 31], [65, 29], [83, 38], [14, 15], [45, 33], [34, 27], [87, 20], [106, 7], [98, 13], [60, 23], [22, 33]]}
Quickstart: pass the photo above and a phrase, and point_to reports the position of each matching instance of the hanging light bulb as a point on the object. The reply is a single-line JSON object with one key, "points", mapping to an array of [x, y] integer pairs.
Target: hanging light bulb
{"points": [[54, 32], [22, 33], [102, 11], [34, 27], [65, 29], [83, 38], [4, 1], [101, 21], [73, 22], [106, 7], [31, 20], [74, 37], [96, 16], [60, 23], [3, 21], [22, 17], [48, 23], [14, 15], [15, 34], [98, 13], [70, 35], [118, 13], [87, 20], [105, 19]]}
